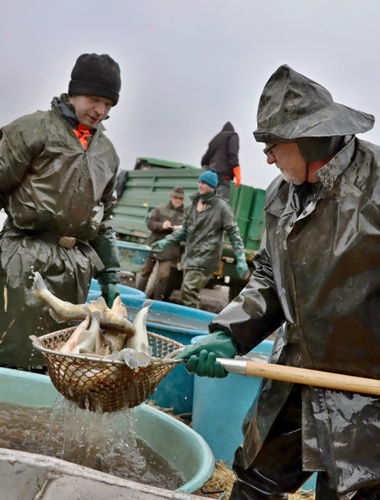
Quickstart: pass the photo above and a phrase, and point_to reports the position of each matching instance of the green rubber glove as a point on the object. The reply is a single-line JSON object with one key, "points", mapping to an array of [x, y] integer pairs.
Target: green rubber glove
{"points": [[109, 291], [201, 357], [241, 265], [158, 246]]}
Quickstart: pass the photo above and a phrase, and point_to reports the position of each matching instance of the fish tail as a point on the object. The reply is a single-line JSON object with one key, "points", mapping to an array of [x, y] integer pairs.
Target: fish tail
{"points": [[135, 359], [38, 284]]}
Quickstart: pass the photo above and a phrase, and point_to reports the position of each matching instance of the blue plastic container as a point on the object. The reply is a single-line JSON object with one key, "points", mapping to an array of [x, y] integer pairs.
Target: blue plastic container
{"points": [[182, 324], [95, 291], [172, 439], [220, 405], [132, 255]]}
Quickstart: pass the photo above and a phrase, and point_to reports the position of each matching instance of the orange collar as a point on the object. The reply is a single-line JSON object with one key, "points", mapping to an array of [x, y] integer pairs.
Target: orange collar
{"points": [[83, 133]]}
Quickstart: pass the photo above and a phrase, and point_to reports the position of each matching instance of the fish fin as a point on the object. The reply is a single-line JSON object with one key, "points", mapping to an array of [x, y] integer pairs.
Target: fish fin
{"points": [[99, 304], [134, 359], [117, 355], [146, 349], [147, 303], [94, 314], [119, 307]]}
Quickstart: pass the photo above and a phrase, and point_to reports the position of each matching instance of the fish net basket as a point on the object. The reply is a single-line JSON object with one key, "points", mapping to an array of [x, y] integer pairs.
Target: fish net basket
{"points": [[98, 384]]}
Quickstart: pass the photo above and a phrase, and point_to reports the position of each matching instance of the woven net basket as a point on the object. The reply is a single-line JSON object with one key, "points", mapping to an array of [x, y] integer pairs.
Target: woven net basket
{"points": [[100, 384]]}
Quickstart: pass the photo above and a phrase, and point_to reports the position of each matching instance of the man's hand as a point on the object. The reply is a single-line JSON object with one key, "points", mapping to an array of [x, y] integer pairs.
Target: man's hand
{"points": [[158, 246], [109, 291], [166, 224], [201, 357]]}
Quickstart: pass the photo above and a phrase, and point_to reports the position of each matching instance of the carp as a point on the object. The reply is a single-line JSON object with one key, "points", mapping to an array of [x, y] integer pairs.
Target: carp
{"points": [[66, 311]]}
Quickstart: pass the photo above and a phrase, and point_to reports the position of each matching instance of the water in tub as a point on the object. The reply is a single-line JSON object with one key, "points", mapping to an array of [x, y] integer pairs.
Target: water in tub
{"points": [[101, 441]]}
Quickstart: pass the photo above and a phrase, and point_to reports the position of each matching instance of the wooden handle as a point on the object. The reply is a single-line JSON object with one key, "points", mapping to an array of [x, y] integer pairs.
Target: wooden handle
{"points": [[327, 380]]}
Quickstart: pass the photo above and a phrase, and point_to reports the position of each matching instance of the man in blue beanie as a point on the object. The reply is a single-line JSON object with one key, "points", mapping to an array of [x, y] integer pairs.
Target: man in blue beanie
{"points": [[205, 220]]}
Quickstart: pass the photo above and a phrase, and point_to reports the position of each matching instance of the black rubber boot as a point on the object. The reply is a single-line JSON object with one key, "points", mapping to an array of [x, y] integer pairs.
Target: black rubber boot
{"points": [[141, 283], [160, 290]]}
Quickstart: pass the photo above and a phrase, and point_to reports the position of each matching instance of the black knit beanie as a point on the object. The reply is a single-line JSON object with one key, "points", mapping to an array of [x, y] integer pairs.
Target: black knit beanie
{"points": [[97, 75]]}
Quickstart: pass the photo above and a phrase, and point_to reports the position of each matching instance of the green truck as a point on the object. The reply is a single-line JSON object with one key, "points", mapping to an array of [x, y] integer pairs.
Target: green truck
{"points": [[149, 184]]}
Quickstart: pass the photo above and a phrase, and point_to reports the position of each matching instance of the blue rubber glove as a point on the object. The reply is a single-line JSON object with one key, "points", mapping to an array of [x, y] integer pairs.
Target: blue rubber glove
{"points": [[241, 265], [201, 357], [109, 291], [158, 246]]}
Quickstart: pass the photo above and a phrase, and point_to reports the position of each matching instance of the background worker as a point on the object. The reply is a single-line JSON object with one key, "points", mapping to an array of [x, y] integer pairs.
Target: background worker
{"points": [[318, 270], [205, 220], [163, 221], [222, 156], [57, 182]]}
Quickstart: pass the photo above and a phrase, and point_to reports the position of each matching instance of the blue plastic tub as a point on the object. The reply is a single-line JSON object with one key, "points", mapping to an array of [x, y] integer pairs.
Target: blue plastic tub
{"points": [[172, 439], [220, 405], [182, 324], [95, 291], [132, 255]]}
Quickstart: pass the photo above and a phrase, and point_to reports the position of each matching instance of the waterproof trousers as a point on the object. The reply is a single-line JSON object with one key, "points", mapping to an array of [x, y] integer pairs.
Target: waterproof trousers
{"points": [[161, 289], [223, 189], [277, 468], [164, 268], [193, 282]]}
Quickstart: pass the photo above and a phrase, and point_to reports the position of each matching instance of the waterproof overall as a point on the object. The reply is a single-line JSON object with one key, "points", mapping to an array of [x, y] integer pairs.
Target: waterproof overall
{"points": [[51, 187], [318, 270]]}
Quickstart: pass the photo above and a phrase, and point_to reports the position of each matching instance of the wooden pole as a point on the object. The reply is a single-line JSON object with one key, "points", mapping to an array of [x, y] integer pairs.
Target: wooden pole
{"points": [[316, 378]]}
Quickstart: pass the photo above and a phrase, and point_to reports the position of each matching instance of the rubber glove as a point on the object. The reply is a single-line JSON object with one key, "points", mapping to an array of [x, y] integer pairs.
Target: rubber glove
{"points": [[109, 291], [237, 174], [241, 265], [158, 246], [201, 357]]}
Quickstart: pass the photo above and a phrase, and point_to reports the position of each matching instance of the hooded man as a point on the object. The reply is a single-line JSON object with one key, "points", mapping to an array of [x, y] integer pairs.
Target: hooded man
{"points": [[222, 156], [57, 185], [318, 272], [204, 223]]}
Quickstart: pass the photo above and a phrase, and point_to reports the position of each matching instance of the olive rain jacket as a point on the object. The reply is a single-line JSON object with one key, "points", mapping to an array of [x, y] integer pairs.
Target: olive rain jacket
{"points": [[204, 231], [51, 185], [157, 217], [320, 272], [222, 154]]}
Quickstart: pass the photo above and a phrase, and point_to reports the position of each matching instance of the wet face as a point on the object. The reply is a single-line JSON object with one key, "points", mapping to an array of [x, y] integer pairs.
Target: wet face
{"points": [[289, 160], [177, 202], [91, 110], [204, 188]]}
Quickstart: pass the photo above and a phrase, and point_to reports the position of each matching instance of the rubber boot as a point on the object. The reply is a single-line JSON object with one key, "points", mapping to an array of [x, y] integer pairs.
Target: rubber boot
{"points": [[160, 290], [141, 282]]}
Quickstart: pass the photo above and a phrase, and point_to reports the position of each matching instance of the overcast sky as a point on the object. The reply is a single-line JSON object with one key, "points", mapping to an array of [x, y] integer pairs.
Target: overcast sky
{"points": [[189, 66]]}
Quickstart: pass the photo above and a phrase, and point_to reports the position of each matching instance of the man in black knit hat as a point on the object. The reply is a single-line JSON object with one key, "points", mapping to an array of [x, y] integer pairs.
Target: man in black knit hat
{"points": [[57, 175]]}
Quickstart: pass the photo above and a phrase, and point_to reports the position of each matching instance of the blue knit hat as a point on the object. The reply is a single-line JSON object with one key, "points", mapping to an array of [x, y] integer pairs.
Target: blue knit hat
{"points": [[210, 178]]}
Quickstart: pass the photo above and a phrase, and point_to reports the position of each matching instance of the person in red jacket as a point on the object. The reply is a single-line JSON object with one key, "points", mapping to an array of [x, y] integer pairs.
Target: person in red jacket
{"points": [[222, 156]]}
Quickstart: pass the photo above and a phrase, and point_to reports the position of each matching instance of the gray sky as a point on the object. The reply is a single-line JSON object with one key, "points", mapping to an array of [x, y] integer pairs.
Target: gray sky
{"points": [[188, 66]]}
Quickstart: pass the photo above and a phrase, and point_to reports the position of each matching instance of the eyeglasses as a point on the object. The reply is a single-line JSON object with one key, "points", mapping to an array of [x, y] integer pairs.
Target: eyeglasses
{"points": [[268, 151]]}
